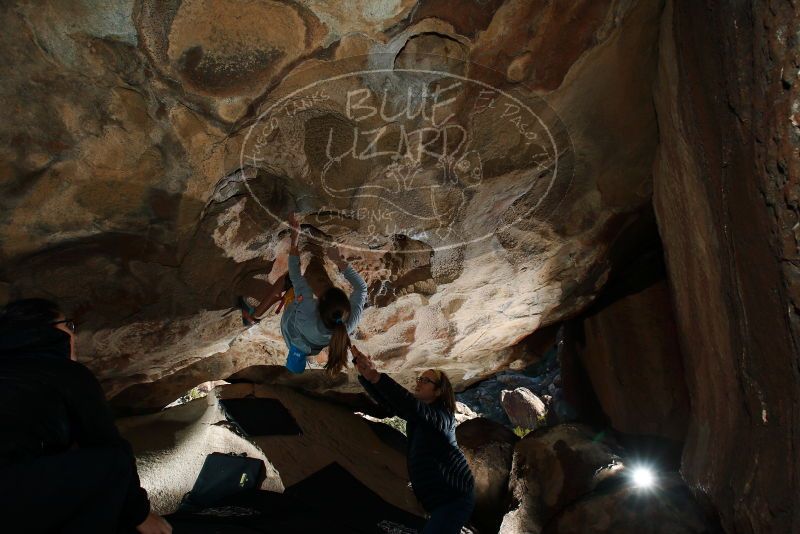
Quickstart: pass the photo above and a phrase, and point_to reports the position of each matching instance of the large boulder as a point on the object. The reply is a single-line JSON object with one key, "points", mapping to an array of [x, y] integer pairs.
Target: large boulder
{"points": [[524, 408], [489, 449], [635, 365], [329, 434], [551, 469], [669, 508], [464, 413], [303, 436], [171, 446], [726, 197]]}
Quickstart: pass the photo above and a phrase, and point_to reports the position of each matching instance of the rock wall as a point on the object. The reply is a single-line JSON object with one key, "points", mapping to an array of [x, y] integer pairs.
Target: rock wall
{"points": [[140, 190], [489, 449], [551, 469], [128, 192], [568, 479], [635, 365], [171, 446], [726, 198]]}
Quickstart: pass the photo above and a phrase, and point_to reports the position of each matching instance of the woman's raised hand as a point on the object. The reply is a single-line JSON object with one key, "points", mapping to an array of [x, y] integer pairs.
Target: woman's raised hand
{"points": [[365, 365]]}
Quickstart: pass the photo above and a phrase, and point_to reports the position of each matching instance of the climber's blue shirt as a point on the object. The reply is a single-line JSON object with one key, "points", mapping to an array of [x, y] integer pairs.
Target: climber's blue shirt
{"points": [[301, 325]]}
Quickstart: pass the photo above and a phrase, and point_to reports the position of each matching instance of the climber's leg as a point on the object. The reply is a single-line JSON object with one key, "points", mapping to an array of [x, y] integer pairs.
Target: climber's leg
{"points": [[248, 318], [272, 296]]}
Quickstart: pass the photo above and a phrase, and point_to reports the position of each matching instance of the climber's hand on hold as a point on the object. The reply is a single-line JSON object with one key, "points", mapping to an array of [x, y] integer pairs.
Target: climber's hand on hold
{"points": [[336, 257]]}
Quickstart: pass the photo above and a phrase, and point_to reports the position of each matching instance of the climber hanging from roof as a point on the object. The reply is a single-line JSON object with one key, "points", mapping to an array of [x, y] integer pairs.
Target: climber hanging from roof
{"points": [[309, 324]]}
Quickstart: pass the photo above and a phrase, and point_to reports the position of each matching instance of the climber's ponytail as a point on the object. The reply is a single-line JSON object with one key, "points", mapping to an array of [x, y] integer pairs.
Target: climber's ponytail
{"points": [[337, 350], [334, 309]]}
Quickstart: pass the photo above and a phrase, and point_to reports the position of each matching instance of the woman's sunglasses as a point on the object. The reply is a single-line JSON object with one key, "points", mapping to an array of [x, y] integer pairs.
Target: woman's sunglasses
{"points": [[69, 323], [421, 379]]}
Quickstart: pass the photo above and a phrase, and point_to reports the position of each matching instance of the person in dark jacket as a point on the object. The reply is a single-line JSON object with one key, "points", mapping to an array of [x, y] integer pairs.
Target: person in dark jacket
{"points": [[439, 473], [63, 465]]}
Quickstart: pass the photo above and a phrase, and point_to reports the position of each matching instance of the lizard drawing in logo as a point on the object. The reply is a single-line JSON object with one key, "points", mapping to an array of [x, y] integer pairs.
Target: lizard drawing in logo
{"points": [[427, 193]]}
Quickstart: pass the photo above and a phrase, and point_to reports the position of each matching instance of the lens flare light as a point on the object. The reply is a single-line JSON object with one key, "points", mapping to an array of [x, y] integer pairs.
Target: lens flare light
{"points": [[643, 477]]}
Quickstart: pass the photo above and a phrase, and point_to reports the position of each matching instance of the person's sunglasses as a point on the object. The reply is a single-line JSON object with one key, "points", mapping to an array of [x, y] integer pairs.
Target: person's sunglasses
{"points": [[421, 379], [69, 323]]}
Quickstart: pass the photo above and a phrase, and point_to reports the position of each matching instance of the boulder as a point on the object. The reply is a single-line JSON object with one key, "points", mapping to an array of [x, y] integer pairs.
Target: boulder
{"points": [[484, 397], [489, 449], [524, 408], [552, 468], [668, 508], [329, 434], [726, 196], [635, 364], [171, 446], [464, 413]]}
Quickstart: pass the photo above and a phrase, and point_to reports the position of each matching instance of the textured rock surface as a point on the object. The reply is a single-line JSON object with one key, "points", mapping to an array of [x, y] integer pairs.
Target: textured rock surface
{"points": [[171, 446], [539, 377], [635, 365], [625, 509], [551, 469], [125, 195], [464, 413], [524, 408], [726, 197], [330, 434], [489, 449]]}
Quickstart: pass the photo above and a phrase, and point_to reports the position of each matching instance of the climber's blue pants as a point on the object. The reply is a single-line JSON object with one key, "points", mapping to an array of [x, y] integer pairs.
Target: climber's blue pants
{"points": [[296, 360]]}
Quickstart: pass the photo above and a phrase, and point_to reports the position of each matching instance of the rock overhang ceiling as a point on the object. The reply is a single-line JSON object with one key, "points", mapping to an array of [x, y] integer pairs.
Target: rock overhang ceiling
{"points": [[156, 148]]}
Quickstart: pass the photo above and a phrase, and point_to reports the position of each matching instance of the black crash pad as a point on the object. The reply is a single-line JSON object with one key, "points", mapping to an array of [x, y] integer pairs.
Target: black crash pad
{"points": [[260, 417], [261, 512], [337, 493], [330, 501]]}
